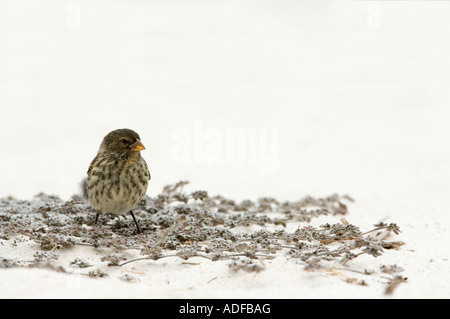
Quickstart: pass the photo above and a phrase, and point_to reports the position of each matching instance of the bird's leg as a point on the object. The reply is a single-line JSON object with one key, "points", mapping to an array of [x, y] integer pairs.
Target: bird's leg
{"points": [[96, 218], [135, 221]]}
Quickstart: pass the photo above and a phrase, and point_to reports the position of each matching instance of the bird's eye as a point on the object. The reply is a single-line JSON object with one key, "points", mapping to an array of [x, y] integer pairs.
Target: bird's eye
{"points": [[124, 141]]}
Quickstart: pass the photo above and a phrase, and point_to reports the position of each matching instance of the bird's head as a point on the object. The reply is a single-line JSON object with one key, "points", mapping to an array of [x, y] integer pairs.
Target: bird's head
{"points": [[122, 142]]}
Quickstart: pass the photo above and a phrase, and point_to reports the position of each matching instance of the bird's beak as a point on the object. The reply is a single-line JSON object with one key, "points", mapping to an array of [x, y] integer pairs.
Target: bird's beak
{"points": [[137, 146]]}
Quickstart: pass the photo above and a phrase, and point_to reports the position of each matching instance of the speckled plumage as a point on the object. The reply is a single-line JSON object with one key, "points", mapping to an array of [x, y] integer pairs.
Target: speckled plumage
{"points": [[118, 176]]}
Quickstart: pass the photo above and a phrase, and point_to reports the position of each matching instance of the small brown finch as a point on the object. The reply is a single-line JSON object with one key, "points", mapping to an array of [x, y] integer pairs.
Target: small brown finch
{"points": [[118, 176]]}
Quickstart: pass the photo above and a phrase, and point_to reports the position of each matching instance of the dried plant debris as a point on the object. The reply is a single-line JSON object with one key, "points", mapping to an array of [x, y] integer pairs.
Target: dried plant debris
{"points": [[97, 273], [9, 263], [179, 224], [77, 262], [248, 265], [393, 283]]}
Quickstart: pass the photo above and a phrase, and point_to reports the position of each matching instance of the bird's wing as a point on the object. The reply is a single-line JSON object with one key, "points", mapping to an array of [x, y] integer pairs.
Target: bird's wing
{"points": [[92, 164], [148, 171]]}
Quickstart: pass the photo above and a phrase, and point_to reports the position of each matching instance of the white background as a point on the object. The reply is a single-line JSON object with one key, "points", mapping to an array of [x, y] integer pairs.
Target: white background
{"points": [[358, 91]]}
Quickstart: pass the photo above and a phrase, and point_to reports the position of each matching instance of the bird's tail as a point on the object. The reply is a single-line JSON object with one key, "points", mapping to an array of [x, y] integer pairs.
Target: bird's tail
{"points": [[84, 194]]}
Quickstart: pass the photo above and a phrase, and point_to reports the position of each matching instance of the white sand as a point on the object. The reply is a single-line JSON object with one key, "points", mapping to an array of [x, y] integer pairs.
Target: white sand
{"points": [[424, 259], [358, 92]]}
